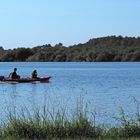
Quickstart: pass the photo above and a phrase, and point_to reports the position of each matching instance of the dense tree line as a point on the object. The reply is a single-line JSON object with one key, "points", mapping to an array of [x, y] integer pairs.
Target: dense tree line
{"points": [[109, 48]]}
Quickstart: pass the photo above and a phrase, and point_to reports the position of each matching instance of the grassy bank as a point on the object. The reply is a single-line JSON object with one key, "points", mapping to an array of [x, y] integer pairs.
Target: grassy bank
{"points": [[42, 124]]}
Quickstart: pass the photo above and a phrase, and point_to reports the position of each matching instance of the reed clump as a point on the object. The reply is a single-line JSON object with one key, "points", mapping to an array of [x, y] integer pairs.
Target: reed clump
{"points": [[46, 125], [42, 124]]}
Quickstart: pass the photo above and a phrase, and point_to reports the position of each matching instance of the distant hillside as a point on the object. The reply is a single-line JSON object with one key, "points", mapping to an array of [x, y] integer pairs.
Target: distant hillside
{"points": [[106, 49]]}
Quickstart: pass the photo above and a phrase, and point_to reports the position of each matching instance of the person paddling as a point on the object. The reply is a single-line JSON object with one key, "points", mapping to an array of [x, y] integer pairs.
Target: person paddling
{"points": [[34, 74], [14, 74]]}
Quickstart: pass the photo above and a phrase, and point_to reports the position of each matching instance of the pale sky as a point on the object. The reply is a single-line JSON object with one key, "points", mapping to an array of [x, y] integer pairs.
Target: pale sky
{"points": [[28, 23]]}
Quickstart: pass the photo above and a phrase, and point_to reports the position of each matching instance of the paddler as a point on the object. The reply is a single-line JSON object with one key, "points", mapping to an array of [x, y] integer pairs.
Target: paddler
{"points": [[14, 74]]}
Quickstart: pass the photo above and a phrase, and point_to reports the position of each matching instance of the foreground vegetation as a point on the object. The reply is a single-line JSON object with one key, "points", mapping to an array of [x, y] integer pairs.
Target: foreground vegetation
{"points": [[110, 48], [42, 124]]}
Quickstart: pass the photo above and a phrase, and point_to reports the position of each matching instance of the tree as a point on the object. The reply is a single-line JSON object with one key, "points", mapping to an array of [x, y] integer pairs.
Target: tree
{"points": [[21, 54]]}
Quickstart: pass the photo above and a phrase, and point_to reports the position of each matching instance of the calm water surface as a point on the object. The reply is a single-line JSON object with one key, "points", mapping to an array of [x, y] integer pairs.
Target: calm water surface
{"points": [[104, 86]]}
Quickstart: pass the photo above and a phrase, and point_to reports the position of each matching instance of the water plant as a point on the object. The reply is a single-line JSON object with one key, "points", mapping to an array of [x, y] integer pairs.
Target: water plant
{"points": [[41, 123]]}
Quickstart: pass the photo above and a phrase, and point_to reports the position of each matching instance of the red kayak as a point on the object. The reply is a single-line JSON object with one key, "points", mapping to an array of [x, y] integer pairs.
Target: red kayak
{"points": [[26, 80]]}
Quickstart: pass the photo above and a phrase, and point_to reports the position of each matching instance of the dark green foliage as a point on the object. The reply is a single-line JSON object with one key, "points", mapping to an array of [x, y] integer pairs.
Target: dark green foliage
{"points": [[1, 48], [20, 54], [7, 56], [110, 48]]}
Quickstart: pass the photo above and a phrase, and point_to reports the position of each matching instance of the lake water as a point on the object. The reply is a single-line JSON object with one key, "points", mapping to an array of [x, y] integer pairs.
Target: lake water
{"points": [[103, 86]]}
